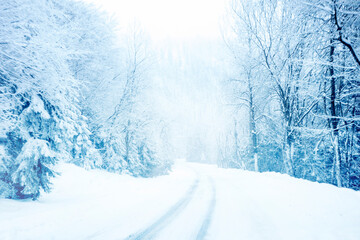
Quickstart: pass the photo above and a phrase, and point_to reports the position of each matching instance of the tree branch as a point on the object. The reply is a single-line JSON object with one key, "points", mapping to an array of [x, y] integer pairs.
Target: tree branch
{"points": [[342, 40]]}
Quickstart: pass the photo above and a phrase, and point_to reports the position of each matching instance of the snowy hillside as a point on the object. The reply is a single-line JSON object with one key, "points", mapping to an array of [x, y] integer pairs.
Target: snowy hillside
{"points": [[195, 201]]}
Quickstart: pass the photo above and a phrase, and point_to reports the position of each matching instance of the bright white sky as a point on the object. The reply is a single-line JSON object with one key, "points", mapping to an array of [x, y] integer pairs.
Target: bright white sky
{"points": [[174, 19]]}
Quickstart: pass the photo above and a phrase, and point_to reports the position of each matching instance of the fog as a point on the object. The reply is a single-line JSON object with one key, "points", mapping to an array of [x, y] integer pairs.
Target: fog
{"points": [[188, 88]]}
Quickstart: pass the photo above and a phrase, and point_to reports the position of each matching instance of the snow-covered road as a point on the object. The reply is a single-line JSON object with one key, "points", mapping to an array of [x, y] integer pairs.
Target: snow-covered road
{"points": [[192, 212], [195, 201]]}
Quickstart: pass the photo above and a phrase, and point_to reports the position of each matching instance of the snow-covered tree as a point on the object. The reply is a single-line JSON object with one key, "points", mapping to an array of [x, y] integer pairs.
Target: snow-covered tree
{"points": [[40, 94], [308, 52]]}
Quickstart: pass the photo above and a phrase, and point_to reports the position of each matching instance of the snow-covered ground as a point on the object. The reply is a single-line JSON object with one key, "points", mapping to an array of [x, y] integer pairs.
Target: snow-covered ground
{"points": [[196, 201]]}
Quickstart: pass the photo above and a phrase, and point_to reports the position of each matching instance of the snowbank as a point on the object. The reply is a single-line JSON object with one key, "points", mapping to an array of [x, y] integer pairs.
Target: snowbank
{"points": [[100, 205], [84, 204]]}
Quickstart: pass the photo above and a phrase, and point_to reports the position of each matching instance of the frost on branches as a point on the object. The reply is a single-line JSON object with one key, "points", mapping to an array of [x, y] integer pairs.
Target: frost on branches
{"points": [[298, 80], [58, 63]]}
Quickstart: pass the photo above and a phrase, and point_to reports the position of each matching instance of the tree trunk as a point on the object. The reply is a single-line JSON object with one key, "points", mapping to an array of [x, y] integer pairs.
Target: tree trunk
{"points": [[334, 116], [337, 160], [256, 164], [355, 156], [253, 134], [127, 142], [288, 155]]}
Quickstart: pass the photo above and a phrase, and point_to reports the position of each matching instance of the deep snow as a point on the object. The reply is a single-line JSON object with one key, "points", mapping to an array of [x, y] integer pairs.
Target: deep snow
{"points": [[195, 201]]}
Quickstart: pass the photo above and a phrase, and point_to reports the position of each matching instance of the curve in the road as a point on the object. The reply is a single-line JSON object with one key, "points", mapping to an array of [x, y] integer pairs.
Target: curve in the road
{"points": [[208, 217], [164, 220]]}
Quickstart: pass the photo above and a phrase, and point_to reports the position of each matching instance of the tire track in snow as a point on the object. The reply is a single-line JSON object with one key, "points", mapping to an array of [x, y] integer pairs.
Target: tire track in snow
{"points": [[208, 217], [151, 231]]}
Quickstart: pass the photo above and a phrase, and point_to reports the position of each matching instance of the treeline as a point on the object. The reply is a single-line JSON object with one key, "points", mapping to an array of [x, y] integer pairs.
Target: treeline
{"points": [[69, 92], [298, 79]]}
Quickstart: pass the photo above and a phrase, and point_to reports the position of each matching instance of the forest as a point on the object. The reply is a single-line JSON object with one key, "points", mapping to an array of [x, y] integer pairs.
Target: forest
{"points": [[76, 89], [298, 79], [69, 91]]}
